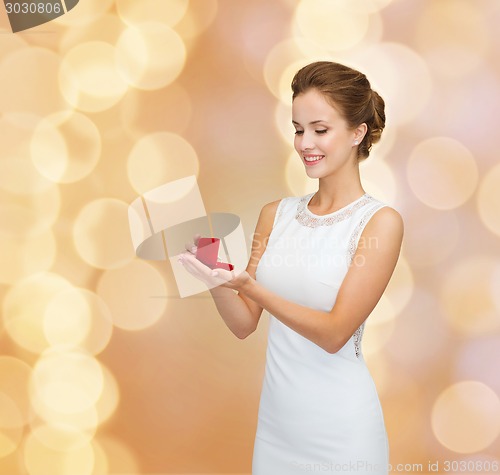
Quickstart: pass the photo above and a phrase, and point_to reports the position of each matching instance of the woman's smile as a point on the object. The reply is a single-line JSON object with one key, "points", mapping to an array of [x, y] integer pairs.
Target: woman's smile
{"points": [[311, 160]]}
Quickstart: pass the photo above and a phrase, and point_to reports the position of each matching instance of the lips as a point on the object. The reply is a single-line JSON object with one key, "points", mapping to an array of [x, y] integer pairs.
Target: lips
{"points": [[312, 159]]}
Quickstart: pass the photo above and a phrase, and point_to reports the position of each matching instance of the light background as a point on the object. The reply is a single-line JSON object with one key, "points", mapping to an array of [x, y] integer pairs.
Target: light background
{"points": [[98, 376]]}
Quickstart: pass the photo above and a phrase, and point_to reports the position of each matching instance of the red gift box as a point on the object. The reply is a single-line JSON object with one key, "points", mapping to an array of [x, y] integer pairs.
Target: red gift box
{"points": [[208, 251]]}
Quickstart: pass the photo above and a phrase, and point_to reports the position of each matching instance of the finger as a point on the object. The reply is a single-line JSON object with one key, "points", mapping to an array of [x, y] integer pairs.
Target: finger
{"points": [[190, 247], [203, 273], [193, 269], [196, 238], [195, 264]]}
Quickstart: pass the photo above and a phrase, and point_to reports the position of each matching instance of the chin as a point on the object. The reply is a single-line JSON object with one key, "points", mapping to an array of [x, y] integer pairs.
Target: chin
{"points": [[316, 172]]}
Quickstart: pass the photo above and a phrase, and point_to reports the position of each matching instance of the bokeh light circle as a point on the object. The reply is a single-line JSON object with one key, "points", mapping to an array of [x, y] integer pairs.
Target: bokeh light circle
{"points": [[277, 70], [18, 175], [107, 403], [27, 215], [86, 420], [442, 172], [40, 459], [19, 93], [400, 288], [399, 75], [379, 327], [378, 179], [283, 120], [150, 55], [78, 317], [197, 19], [119, 457], [466, 417], [488, 200], [11, 43], [170, 13], [67, 381], [101, 233], [146, 295], [470, 362], [412, 334], [467, 296], [67, 318], [15, 410], [84, 13], [107, 28], [11, 427], [24, 306], [89, 78], [65, 147], [160, 158], [366, 6], [431, 236], [60, 436], [330, 24], [452, 36], [22, 256]]}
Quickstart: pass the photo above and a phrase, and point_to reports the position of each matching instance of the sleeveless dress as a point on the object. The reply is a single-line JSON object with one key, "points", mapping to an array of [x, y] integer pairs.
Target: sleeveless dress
{"points": [[319, 412]]}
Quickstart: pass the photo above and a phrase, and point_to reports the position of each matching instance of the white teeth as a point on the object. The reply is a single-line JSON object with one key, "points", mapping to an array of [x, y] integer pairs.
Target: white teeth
{"points": [[314, 158]]}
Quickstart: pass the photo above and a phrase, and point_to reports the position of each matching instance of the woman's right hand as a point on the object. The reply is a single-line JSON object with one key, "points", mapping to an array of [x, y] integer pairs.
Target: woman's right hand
{"points": [[195, 267], [211, 277]]}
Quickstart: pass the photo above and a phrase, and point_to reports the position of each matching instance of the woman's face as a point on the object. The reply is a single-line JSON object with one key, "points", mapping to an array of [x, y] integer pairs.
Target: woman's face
{"points": [[323, 139]]}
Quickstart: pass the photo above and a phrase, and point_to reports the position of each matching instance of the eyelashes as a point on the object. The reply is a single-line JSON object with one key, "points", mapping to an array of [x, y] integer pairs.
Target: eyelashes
{"points": [[319, 132]]}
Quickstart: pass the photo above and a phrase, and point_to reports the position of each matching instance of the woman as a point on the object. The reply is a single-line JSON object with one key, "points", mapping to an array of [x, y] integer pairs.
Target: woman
{"points": [[319, 265]]}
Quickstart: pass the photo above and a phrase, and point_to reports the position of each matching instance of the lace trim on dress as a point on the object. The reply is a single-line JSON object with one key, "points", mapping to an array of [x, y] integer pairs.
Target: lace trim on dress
{"points": [[279, 211], [306, 218], [351, 250], [353, 240], [358, 335]]}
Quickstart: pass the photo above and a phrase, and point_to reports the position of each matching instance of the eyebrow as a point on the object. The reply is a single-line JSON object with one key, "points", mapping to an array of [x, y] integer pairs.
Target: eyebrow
{"points": [[311, 123]]}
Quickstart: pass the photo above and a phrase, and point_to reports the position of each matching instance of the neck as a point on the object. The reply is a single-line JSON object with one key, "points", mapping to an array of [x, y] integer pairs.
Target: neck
{"points": [[339, 189]]}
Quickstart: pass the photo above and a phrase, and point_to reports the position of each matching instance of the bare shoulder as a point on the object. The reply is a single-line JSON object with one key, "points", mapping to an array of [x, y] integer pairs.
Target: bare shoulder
{"points": [[387, 219], [268, 213], [386, 223]]}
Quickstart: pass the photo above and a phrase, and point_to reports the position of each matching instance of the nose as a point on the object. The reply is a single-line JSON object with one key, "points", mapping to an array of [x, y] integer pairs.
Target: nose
{"points": [[306, 141]]}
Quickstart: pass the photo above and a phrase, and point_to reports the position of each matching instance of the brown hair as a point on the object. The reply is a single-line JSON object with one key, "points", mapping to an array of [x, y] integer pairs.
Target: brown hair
{"points": [[350, 92]]}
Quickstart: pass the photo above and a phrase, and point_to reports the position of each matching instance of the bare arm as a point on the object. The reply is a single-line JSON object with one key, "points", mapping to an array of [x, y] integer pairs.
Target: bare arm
{"points": [[358, 295], [240, 313]]}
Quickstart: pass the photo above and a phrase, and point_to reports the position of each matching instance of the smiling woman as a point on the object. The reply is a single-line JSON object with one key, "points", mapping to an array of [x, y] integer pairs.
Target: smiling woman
{"points": [[319, 406]]}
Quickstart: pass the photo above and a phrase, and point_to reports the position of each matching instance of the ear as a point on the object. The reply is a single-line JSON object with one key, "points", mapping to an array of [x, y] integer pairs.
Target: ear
{"points": [[360, 132]]}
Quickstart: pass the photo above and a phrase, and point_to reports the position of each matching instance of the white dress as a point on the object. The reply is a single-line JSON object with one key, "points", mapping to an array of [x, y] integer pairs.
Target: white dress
{"points": [[319, 412]]}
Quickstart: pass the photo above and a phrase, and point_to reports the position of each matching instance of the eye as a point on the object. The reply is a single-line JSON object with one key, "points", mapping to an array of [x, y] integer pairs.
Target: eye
{"points": [[321, 131], [299, 132]]}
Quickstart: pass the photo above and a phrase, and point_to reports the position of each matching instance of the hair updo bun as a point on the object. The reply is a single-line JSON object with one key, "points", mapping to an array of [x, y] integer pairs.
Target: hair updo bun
{"points": [[350, 92]]}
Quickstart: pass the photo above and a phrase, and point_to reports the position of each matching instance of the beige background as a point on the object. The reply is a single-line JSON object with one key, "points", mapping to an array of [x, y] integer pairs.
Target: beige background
{"points": [[103, 369]]}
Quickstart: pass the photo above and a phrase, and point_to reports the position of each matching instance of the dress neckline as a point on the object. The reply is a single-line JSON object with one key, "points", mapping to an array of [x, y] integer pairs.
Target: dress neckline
{"points": [[310, 197], [307, 218]]}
